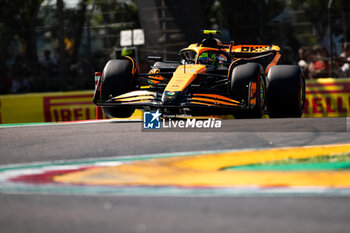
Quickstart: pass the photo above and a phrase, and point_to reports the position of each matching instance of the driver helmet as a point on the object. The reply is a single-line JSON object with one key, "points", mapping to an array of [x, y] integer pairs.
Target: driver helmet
{"points": [[207, 58]]}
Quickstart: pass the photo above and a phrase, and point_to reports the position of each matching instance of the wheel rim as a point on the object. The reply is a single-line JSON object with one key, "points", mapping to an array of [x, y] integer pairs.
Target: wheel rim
{"points": [[261, 95]]}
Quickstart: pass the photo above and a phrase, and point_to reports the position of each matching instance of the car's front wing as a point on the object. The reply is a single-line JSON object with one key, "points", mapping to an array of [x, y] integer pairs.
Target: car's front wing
{"points": [[142, 98]]}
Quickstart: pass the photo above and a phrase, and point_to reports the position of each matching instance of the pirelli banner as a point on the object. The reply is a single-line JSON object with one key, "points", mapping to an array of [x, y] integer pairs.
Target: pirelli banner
{"points": [[327, 98], [324, 98], [48, 107]]}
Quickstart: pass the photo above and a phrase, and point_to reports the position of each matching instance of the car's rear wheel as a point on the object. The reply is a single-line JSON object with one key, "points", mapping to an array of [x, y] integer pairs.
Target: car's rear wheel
{"points": [[286, 92], [116, 80], [242, 79]]}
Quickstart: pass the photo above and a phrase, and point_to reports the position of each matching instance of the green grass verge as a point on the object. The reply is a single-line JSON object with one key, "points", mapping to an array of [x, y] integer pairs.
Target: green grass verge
{"points": [[325, 162]]}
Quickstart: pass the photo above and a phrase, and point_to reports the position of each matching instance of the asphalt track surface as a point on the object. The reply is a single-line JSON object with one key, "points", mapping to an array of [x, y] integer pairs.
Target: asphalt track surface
{"points": [[75, 213]]}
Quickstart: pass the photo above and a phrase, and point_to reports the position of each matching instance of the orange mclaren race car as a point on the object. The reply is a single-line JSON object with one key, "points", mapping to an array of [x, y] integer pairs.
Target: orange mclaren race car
{"points": [[211, 78]]}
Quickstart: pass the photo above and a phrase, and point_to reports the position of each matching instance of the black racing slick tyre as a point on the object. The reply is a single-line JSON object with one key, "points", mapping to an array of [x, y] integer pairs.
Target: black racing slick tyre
{"points": [[241, 78], [116, 80], [286, 92]]}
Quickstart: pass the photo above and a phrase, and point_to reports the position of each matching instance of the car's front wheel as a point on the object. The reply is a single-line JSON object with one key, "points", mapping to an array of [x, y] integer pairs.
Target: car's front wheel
{"points": [[116, 80], [244, 79]]}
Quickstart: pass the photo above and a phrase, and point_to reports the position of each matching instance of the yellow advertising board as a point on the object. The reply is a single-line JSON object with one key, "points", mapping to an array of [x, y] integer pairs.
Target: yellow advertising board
{"points": [[48, 107], [327, 98], [324, 98]]}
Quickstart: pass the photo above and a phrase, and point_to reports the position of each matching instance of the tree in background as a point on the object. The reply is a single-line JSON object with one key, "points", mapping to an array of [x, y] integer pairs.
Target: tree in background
{"points": [[316, 12], [90, 30], [80, 23]]}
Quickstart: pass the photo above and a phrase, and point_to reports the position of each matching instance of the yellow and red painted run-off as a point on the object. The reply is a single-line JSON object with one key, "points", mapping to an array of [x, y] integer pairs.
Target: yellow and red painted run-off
{"points": [[208, 170], [211, 172]]}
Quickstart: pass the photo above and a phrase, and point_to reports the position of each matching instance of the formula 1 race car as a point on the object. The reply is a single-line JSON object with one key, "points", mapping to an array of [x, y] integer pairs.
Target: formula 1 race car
{"points": [[211, 78]]}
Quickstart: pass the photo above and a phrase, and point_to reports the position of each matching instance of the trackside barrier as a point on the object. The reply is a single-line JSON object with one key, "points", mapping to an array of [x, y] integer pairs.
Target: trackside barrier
{"points": [[46, 107], [324, 98], [49, 107], [327, 98]]}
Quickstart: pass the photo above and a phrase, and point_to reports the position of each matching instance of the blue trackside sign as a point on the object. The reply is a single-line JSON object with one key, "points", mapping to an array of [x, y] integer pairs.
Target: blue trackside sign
{"points": [[151, 120]]}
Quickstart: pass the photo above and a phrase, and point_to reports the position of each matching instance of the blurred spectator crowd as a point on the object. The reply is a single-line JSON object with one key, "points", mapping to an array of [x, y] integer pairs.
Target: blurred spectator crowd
{"points": [[316, 62], [23, 76]]}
